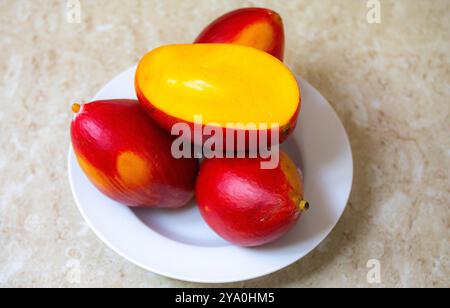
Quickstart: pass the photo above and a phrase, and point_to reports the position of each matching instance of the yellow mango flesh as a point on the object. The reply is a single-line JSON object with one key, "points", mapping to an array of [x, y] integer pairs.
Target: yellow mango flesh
{"points": [[222, 83]]}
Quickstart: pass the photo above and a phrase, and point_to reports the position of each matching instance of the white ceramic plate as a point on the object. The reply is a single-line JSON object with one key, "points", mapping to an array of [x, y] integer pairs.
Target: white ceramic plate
{"points": [[180, 245]]}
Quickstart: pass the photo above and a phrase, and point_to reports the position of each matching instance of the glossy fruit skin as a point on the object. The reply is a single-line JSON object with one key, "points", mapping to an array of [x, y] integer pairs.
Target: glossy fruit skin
{"points": [[254, 27], [128, 157], [246, 205]]}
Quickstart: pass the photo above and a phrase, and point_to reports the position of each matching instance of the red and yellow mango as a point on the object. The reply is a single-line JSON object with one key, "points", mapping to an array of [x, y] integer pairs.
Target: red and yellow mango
{"points": [[247, 205], [253, 27], [222, 83], [128, 157]]}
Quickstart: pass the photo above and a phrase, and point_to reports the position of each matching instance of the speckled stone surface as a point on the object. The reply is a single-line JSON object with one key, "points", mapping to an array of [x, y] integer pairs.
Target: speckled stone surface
{"points": [[389, 83]]}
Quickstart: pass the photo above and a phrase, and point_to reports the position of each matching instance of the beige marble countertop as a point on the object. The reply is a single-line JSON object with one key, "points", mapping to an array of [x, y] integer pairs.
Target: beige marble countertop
{"points": [[389, 83]]}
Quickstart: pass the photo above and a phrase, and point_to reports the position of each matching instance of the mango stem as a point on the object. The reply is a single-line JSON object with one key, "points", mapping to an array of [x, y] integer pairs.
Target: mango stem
{"points": [[304, 205], [76, 108]]}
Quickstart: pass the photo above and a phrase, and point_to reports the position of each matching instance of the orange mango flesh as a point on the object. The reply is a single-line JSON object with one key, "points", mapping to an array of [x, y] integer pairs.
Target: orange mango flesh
{"points": [[222, 83]]}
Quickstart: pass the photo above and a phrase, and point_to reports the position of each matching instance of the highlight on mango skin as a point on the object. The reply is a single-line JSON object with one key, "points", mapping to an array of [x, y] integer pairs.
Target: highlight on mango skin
{"points": [[98, 178], [259, 28], [296, 190], [133, 170]]}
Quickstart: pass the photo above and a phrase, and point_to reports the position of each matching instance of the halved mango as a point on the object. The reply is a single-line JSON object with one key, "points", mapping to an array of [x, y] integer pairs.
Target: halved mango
{"points": [[223, 83]]}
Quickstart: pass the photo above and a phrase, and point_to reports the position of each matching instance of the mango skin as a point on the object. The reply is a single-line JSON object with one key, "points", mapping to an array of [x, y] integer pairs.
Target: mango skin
{"points": [[246, 205], [259, 28], [128, 157]]}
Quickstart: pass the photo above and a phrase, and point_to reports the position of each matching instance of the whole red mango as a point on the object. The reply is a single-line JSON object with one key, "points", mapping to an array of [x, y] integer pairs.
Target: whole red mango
{"points": [[247, 205], [254, 27], [128, 157]]}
